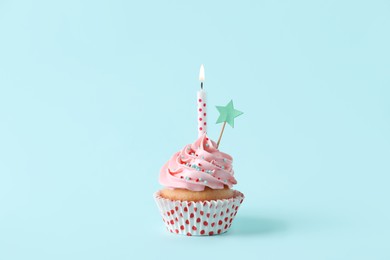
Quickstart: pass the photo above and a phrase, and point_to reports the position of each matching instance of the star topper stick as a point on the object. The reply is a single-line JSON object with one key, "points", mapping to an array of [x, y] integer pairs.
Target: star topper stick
{"points": [[227, 115]]}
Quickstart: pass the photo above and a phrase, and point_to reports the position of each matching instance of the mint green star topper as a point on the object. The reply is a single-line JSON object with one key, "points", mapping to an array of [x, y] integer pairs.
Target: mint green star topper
{"points": [[227, 115]]}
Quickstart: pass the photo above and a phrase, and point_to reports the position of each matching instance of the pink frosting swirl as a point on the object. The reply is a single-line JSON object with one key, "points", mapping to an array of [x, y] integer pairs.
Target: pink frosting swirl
{"points": [[198, 165]]}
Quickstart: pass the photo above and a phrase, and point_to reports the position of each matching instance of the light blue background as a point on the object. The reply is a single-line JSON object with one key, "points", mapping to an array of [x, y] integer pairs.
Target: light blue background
{"points": [[96, 95]]}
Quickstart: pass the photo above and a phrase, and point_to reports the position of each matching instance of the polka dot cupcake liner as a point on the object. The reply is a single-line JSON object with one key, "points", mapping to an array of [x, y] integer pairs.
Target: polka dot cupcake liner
{"points": [[203, 218]]}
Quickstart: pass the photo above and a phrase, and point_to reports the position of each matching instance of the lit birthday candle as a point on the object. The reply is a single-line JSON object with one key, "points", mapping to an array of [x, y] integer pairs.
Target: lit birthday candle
{"points": [[202, 114]]}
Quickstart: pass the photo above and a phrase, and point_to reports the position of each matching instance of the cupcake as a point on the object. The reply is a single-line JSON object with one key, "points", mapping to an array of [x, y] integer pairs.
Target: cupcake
{"points": [[197, 198]]}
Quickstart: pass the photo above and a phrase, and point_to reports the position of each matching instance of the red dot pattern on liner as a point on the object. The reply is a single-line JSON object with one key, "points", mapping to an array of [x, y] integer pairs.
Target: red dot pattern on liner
{"points": [[199, 218]]}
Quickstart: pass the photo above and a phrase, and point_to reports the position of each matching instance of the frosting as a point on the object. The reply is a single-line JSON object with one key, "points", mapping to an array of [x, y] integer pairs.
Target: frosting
{"points": [[198, 165]]}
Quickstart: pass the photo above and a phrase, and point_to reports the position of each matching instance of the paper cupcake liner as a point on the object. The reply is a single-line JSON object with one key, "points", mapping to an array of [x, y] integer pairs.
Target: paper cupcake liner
{"points": [[203, 218]]}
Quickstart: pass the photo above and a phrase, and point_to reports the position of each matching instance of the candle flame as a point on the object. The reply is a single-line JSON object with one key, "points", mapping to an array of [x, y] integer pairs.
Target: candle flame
{"points": [[201, 73]]}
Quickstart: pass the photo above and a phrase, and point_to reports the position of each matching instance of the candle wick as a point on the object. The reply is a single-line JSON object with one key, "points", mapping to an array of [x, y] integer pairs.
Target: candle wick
{"points": [[201, 85]]}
